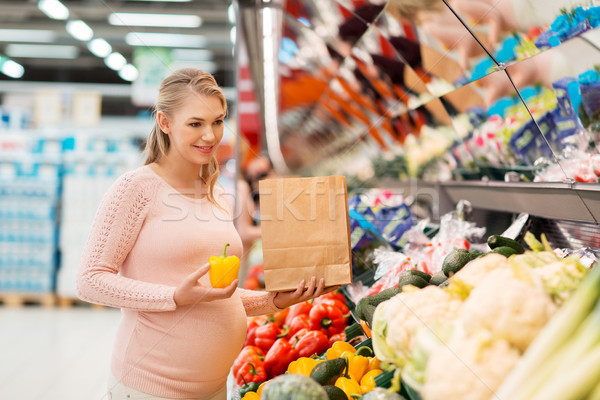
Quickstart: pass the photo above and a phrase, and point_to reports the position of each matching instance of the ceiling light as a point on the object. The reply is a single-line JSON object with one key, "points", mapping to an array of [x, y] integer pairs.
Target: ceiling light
{"points": [[164, 39], [27, 35], [232, 33], [192, 54], [231, 14], [41, 51], [99, 47], [11, 68], [80, 30], [138, 19], [167, 1], [128, 73], [53, 9], [115, 61]]}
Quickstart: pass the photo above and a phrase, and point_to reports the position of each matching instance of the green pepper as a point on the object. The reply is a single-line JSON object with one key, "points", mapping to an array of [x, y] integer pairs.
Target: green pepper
{"points": [[249, 387]]}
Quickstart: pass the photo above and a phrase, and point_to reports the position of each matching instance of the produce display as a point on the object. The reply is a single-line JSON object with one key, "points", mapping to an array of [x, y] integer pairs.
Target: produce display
{"points": [[488, 318]]}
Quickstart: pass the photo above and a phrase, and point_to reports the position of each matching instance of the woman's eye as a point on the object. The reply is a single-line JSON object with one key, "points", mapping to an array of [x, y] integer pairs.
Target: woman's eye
{"points": [[219, 122], [195, 124]]}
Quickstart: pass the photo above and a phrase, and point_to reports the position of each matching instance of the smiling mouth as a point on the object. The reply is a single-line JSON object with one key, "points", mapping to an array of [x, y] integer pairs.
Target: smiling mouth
{"points": [[204, 148]]}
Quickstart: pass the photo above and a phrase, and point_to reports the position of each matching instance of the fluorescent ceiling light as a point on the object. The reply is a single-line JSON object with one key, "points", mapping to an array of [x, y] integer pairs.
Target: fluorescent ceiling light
{"points": [[80, 30], [192, 54], [164, 39], [138, 19], [53, 9], [232, 34], [99, 47], [168, 1], [27, 35], [41, 51], [128, 73], [115, 61], [231, 14], [11, 68]]}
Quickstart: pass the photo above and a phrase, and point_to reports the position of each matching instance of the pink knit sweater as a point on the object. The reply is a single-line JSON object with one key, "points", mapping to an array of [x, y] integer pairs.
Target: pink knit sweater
{"points": [[146, 238]]}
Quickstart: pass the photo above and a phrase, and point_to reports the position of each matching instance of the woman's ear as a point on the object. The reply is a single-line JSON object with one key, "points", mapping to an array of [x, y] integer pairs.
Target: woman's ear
{"points": [[163, 122]]}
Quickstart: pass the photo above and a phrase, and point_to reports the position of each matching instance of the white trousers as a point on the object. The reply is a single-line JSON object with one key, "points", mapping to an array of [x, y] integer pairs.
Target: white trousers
{"points": [[119, 391]]}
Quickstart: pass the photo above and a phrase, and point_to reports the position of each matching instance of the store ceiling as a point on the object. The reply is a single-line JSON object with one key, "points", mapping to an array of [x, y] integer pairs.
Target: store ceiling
{"points": [[85, 67]]}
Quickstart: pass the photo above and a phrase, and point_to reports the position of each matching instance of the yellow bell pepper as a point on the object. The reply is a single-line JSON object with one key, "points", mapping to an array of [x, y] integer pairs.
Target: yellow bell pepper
{"points": [[302, 366], [251, 396], [336, 350], [260, 388], [367, 382], [349, 386], [374, 363], [357, 365], [223, 270]]}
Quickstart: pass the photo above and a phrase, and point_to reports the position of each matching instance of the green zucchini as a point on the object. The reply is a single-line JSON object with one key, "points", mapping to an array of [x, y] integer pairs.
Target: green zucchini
{"points": [[496, 241], [506, 251]]}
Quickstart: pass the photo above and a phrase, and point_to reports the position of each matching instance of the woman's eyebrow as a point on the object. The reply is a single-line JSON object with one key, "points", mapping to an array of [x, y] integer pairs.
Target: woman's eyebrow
{"points": [[222, 115]]}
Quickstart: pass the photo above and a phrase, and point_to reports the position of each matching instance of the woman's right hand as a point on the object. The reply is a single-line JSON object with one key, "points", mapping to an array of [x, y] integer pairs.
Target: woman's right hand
{"points": [[190, 291]]}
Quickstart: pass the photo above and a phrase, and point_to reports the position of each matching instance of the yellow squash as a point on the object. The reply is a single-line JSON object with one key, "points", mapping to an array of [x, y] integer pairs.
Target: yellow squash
{"points": [[223, 270]]}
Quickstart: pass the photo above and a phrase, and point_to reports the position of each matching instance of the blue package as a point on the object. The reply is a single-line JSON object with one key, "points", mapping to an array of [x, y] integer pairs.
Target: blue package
{"points": [[529, 144], [393, 222], [562, 90]]}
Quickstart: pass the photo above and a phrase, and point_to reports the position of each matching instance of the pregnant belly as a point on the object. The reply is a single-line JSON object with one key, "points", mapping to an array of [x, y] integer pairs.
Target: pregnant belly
{"points": [[193, 344]]}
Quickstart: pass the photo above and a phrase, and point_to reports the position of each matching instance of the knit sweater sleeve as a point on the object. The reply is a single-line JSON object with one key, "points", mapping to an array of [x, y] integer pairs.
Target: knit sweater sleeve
{"points": [[258, 303], [113, 233]]}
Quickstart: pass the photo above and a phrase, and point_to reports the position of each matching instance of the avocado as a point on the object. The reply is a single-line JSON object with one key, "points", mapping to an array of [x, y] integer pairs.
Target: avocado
{"points": [[455, 260], [327, 372]]}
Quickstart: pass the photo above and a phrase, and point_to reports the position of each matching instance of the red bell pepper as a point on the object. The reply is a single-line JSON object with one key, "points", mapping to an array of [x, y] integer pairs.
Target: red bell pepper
{"points": [[267, 334], [298, 309], [336, 303], [279, 317], [313, 342], [251, 332], [250, 373], [297, 323], [338, 337], [328, 319], [298, 335], [279, 356], [331, 295], [249, 354]]}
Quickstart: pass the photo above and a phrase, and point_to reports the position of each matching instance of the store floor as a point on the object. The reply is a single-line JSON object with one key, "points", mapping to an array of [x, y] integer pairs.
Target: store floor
{"points": [[55, 354]]}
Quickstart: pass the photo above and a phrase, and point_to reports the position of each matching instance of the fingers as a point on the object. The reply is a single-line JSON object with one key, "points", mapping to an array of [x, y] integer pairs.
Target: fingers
{"points": [[194, 276], [311, 286], [223, 293], [299, 290], [320, 288]]}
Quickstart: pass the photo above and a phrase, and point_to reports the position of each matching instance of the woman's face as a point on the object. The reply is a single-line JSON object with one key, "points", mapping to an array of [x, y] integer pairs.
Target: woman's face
{"points": [[195, 129]]}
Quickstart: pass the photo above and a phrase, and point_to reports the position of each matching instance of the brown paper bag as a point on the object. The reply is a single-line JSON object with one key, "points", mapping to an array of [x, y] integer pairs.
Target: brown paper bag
{"points": [[305, 231]]}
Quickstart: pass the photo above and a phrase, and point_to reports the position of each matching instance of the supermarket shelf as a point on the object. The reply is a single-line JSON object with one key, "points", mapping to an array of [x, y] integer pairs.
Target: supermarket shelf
{"points": [[565, 201]]}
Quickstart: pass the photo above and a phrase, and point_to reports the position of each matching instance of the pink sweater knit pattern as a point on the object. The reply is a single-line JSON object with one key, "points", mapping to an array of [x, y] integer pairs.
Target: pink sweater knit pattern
{"points": [[146, 238]]}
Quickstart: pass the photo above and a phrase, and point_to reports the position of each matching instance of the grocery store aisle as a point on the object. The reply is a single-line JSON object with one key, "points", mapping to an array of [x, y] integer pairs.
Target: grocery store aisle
{"points": [[56, 353]]}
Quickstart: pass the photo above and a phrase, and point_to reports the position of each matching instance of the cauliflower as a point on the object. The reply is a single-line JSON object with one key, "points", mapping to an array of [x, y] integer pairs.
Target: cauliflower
{"points": [[475, 271], [561, 278], [468, 368], [397, 320], [510, 308]]}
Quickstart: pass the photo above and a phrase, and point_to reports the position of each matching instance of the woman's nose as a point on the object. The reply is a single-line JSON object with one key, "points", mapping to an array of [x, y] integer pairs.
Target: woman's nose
{"points": [[208, 134]]}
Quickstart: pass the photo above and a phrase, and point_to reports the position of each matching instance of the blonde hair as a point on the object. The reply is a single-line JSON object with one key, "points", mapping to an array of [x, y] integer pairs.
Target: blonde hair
{"points": [[409, 9], [172, 93]]}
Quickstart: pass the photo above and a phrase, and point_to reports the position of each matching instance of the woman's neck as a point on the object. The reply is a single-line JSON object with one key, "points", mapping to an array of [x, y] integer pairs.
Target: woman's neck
{"points": [[183, 178]]}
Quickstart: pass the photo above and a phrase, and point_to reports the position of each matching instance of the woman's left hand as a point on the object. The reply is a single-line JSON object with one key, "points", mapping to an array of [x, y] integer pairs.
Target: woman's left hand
{"points": [[285, 299]]}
